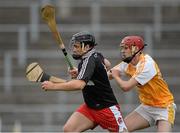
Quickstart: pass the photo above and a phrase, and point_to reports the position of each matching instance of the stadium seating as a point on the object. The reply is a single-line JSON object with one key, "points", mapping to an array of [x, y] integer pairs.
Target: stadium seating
{"points": [[25, 95]]}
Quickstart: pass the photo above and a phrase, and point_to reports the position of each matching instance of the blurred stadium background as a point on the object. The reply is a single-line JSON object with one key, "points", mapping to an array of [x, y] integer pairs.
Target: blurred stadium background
{"points": [[25, 38]]}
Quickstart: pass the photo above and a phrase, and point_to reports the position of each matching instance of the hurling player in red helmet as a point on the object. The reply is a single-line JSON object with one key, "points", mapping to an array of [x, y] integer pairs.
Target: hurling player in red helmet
{"points": [[157, 102]]}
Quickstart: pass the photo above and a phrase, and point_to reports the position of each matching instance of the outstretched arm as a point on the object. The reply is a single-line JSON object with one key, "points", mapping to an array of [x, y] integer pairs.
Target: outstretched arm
{"points": [[71, 85]]}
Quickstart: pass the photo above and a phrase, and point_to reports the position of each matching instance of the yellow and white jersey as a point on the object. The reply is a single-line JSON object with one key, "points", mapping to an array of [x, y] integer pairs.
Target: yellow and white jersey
{"points": [[152, 89]]}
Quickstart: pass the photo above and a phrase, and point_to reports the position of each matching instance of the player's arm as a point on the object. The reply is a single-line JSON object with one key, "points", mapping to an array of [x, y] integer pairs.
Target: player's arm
{"points": [[73, 72], [107, 63], [71, 85], [124, 85], [76, 84], [110, 71]]}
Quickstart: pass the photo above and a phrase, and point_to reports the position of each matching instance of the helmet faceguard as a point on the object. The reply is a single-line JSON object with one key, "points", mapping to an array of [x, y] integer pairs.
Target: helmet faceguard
{"points": [[84, 38]]}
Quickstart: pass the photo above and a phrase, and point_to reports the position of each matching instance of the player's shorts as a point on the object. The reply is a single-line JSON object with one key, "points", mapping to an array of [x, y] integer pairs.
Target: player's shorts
{"points": [[153, 114], [108, 118]]}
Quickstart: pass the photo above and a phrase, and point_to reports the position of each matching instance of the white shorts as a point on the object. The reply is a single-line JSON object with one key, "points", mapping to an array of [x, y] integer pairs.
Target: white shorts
{"points": [[153, 114]]}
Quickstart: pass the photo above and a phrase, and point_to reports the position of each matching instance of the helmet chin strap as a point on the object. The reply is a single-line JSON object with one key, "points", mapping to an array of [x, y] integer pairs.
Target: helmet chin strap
{"points": [[129, 59], [76, 57]]}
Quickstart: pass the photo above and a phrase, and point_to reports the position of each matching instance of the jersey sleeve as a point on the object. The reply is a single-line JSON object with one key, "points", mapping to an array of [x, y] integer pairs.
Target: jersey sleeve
{"points": [[101, 57], [121, 67], [145, 72], [87, 69]]}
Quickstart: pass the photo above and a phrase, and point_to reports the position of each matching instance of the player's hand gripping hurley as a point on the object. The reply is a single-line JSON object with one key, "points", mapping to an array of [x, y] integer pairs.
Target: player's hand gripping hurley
{"points": [[48, 15]]}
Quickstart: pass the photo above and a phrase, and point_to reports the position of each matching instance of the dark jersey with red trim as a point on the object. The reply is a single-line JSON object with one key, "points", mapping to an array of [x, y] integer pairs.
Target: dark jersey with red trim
{"points": [[97, 93]]}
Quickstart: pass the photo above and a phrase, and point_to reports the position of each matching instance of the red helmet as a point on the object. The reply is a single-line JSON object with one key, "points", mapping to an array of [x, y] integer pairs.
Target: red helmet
{"points": [[133, 41]]}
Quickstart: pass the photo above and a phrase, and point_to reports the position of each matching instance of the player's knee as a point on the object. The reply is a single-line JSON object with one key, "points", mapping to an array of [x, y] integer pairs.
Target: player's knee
{"points": [[66, 128]]}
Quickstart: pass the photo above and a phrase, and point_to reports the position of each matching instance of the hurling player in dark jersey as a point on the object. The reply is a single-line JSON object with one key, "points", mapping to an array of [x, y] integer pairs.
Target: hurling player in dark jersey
{"points": [[100, 105]]}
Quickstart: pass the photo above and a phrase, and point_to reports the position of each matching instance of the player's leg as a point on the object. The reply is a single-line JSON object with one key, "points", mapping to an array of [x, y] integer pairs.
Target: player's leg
{"points": [[165, 118], [80, 120], [78, 123], [138, 119], [164, 126], [110, 119], [134, 121]]}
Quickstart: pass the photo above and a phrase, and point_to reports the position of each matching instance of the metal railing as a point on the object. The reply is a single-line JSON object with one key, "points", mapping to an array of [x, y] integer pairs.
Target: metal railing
{"points": [[23, 54], [34, 28]]}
